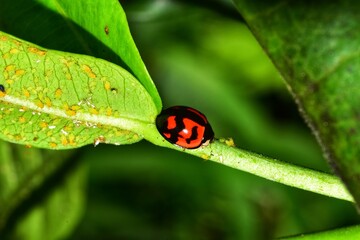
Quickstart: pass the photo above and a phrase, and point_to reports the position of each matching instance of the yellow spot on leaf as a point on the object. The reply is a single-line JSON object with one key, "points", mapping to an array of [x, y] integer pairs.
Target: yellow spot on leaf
{"points": [[9, 81], [17, 42], [48, 102], [19, 72], [43, 124], [5, 55], [94, 111], [22, 119], [88, 71], [64, 141], [66, 106], [2, 94], [58, 93], [14, 51], [26, 93], [75, 107], [3, 38], [9, 68], [39, 103], [108, 111], [37, 51], [67, 61], [53, 145], [72, 139], [107, 85], [70, 113], [67, 129]]}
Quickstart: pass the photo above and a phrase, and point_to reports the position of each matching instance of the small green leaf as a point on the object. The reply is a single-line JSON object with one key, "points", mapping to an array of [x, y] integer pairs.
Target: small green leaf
{"points": [[37, 201], [97, 28], [315, 46], [62, 100]]}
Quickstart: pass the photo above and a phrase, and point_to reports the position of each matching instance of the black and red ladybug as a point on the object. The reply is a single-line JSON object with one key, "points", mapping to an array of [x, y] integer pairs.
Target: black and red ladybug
{"points": [[185, 127]]}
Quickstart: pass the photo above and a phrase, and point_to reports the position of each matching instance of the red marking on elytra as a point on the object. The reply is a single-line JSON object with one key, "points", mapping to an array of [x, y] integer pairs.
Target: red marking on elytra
{"points": [[171, 122]]}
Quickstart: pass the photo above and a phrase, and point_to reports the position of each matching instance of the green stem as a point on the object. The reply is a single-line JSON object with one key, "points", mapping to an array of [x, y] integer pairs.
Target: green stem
{"points": [[271, 169], [352, 232], [281, 172]]}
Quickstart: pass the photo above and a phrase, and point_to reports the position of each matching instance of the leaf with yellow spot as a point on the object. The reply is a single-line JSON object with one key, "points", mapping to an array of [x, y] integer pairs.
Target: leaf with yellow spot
{"points": [[107, 85], [26, 93], [50, 103], [69, 26], [14, 51], [58, 93], [19, 72], [97, 28]]}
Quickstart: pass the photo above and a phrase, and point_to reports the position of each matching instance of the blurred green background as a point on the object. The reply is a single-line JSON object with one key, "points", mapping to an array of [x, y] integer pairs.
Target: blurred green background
{"points": [[203, 56]]}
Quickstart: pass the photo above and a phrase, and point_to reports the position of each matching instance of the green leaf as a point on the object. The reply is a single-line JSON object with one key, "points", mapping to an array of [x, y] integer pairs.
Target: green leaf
{"points": [[315, 47], [37, 201], [62, 100], [97, 28], [352, 232]]}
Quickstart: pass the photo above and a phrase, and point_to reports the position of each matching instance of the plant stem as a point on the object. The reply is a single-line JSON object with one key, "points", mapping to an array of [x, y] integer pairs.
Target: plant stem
{"points": [[275, 170], [271, 169]]}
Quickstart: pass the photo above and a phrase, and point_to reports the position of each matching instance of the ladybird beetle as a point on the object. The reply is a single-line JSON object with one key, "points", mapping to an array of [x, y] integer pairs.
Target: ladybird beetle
{"points": [[185, 127]]}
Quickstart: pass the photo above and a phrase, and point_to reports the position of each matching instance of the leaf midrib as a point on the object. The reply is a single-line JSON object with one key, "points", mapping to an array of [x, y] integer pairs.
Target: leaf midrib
{"points": [[125, 123]]}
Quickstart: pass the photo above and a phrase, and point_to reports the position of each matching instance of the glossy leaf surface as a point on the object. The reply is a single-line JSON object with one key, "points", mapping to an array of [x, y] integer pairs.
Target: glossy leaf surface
{"points": [[97, 28], [315, 47], [61, 100], [41, 193]]}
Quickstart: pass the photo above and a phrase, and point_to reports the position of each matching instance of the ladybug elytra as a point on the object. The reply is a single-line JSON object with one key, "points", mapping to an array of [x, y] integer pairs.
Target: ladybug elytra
{"points": [[185, 127]]}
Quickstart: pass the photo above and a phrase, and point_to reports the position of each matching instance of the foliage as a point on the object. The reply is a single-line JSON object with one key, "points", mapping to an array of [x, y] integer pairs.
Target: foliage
{"points": [[214, 65], [318, 58]]}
